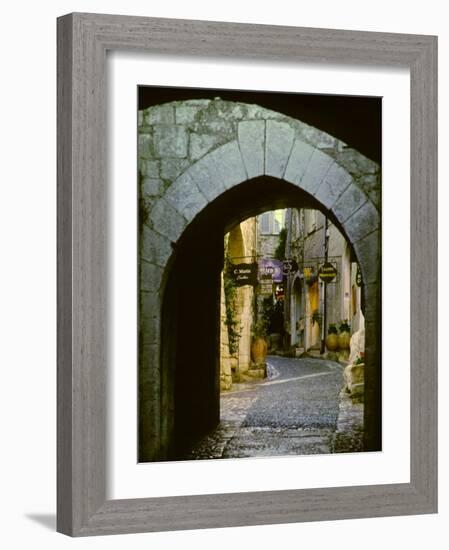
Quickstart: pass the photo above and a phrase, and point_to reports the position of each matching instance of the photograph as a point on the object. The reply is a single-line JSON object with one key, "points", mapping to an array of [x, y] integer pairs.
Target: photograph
{"points": [[221, 307], [259, 276]]}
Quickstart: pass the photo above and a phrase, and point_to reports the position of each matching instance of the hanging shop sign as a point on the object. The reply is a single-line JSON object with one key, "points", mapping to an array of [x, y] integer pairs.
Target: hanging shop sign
{"points": [[266, 285], [327, 272], [244, 274], [358, 276], [268, 266], [289, 266]]}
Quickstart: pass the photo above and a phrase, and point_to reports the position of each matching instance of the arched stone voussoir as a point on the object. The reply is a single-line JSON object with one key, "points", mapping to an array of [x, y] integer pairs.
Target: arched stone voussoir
{"points": [[372, 299], [368, 252], [349, 202], [229, 164], [150, 332], [251, 136], [334, 183], [167, 220], [318, 166], [150, 303], [280, 137], [150, 321], [185, 197], [204, 173], [363, 221], [298, 161], [149, 373], [150, 276], [155, 248]]}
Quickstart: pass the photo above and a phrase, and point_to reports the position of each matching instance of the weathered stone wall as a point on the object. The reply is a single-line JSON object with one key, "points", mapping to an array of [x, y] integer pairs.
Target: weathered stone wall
{"points": [[308, 246], [190, 152], [267, 244], [246, 297], [240, 248], [174, 136], [193, 152], [314, 250], [227, 362]]}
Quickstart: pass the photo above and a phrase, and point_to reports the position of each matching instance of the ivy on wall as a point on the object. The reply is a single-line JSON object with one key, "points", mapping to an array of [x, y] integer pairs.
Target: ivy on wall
{"points": [[279, 253], [230, 292]]}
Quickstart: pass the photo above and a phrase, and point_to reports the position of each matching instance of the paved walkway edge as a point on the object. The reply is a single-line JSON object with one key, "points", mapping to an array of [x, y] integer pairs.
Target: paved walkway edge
{"points": [[348, 437]]}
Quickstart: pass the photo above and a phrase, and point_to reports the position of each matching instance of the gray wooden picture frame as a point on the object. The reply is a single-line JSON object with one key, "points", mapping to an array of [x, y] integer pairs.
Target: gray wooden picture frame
{"points": [[83, 40]]}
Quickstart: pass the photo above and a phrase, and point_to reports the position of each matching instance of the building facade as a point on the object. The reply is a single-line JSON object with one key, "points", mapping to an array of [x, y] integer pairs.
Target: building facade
{"points": [[312, 303], [236, 306]]}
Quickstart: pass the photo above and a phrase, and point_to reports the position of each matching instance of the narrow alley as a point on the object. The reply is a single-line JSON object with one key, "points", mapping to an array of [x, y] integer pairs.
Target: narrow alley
{"points": [[294, 411]]}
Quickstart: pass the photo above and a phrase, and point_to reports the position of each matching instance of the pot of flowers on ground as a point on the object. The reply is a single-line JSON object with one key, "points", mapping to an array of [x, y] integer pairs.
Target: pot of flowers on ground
{"points": [[259, 345], [344, 339], [345, 335], [332, 338]]}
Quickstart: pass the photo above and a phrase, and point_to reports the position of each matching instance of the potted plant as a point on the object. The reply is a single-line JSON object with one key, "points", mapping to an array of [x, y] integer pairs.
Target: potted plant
{"points": [[344, 337], [311, 279], [317, 318], [332, 338], [259, 344], [231, 320]]}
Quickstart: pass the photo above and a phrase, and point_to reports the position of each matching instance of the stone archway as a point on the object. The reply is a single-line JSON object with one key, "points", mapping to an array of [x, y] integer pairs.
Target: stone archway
{"points": [[193, 156]]}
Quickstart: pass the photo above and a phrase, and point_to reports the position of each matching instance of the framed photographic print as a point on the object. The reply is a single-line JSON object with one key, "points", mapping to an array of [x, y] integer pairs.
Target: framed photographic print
{"points": [[245, 216], [225, 154]]}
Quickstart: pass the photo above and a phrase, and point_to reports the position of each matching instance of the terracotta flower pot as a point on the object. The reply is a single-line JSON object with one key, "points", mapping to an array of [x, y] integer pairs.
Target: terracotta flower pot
{"points": [[343, 340], [259, 350], [332, 341]]}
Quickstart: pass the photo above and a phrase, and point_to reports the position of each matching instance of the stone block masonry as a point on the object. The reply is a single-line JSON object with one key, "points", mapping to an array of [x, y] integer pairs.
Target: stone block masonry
{"points": [[174, 136]]}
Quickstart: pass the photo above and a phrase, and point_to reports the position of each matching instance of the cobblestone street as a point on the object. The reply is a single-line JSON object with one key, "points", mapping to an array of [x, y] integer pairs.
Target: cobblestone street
{"points": [[297, 410]]}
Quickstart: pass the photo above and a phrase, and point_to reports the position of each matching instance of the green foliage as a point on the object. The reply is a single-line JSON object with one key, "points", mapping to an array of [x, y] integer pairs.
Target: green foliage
{"points": [[273, 315], [279, 253], [316, 318], [332, 329], [230, 292], [345, 326], [259, 328]]}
